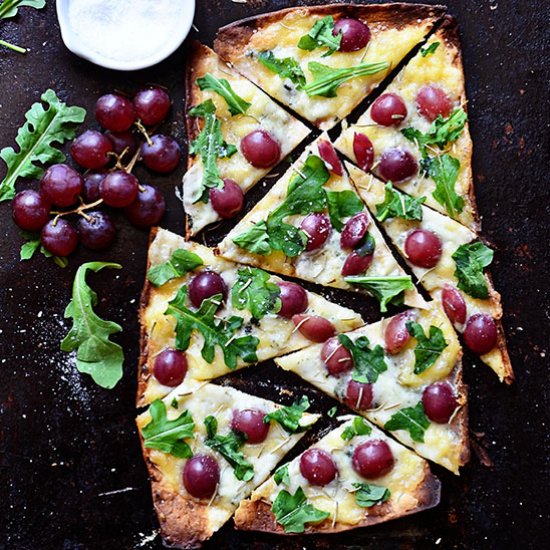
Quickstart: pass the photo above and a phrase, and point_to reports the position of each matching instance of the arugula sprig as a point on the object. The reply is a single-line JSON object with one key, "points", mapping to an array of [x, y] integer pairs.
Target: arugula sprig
{"points": [[181, 262], [293, 511], [428, 50], [368, 495], [368, 363], [428, 348], [286, 67], [9, 9], [387, 290], [236, 104], [411, 419], [289, 417], [281, 475], [358, 427], [399, 205], [470, 260], [33, 244], [342, 205], [321, 35], [254, 291]]}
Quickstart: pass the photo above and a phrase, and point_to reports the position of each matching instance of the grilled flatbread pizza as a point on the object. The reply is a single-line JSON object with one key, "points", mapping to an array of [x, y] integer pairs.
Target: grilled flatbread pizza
{"points": [[313, 225], [355, 476], [404, 374], [321, 61], [203, 316], [449, 262], [237, 133], [207, 450], [416, 133]]}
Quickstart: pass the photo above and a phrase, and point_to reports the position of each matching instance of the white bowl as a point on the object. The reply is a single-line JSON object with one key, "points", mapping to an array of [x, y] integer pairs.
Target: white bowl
{"points": [[181, 21]]}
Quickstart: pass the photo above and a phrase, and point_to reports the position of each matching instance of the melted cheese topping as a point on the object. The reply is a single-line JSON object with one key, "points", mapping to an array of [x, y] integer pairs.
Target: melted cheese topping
{"points": [[263, 113], [337, 497], [398, 387], [282, 37], [221, 402], [277, 334], [324, 265], [437, 68]]}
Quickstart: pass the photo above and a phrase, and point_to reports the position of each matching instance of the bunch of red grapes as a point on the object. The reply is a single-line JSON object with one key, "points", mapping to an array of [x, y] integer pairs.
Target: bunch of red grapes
{"points": [[107, 181]]}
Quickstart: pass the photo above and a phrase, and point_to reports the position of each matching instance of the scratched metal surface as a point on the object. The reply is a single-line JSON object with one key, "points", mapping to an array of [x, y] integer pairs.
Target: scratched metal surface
{"points": [[71, 473]]}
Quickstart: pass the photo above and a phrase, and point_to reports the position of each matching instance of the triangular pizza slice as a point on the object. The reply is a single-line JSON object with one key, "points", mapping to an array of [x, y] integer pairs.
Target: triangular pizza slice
{"points": [[449, 261], [353, 477], [312, 225], [202, 317], [416, 133], [207, 450], [404, 374], [236, 132], [321, 61]]}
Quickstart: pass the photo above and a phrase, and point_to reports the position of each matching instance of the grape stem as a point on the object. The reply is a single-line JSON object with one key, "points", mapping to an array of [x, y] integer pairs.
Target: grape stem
{"points": [[143, 131], [80, 210]]}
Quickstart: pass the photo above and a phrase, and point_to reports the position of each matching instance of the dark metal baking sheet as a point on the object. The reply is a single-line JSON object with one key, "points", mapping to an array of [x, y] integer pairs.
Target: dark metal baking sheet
{"points": [[71, 472]]}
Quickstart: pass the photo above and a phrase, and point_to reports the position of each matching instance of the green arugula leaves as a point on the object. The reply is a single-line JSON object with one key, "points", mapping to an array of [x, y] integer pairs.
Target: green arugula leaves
{"points": [[181, 262], [236, 104], [254, 291], [96, 354], [286, 67], [358, 427], [221, 333], [255, 240], [321, 35], [444, 171], [399, 205], [411, 419], [470, 260], [368, 495], [429, 49], [168, 435], [281, 475], [428, 348], [32, 244], [293, 511], [289, 417], [341, 205], [387, 290], [368, 363]]}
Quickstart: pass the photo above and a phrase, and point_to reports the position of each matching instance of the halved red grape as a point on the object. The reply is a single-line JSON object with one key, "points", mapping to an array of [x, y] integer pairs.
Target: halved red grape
{"points": [[227, 201], [119, 189], [397, 165], [151, 105], [115, 112], [59, 237], [162, 154], [205, 285], [336, 357], [396, 334], [423, 248], [355, 230], [90, 150], [358, 395], [363, 151], [148, 208], [314, 328], [293, 299], [123, 141], [96, 230], [201, 475], [355, 34], [480, 334], [356, 263], [261, 149], [433, 101], [30, 210], [317, 227], [388, 110], [439, 402], [373, 459], [170, 367], [328, 154], [92, 182], [61, 185], [453, 304], [251, 423], [317, 467]]}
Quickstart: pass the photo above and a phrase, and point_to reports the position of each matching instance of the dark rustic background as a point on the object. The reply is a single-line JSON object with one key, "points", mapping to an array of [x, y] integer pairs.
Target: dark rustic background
{"points": [[71, 473]]}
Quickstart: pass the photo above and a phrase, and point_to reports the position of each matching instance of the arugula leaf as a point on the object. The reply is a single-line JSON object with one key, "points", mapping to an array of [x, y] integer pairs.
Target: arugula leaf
{"points": [[220, 334], [321, 35], [210, 146], [428, 349], [412, 419], [281, 475], [168, 435], [36, 139], [9, 8], [228, 446], [255, 239], [368, 495], [387, 290], [236, 104], [399, 205], [29, 248], [293, 511], [181, 262], [287, 238], [327, 80], [444, 171], [429, 49], [341, 205], [33, 244], [254, 291], [332, 412], [286, 67], [357, 427], [368, 363], [470, 260], [96, 354], [289, 417]]}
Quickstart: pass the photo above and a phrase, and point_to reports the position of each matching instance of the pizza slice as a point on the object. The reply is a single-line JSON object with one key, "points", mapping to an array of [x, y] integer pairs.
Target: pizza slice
{"points": [[416, 133], [322, 61], [237, 133], [449, 261], [207, 450], [404, 374], [313, 225], [355, 476], [202, 317]]}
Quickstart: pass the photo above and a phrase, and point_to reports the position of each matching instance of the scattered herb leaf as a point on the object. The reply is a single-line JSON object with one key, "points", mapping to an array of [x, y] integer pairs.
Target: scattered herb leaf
{"points": [[287, 67], [412, 419], [427, 349], [293, 511], [33, 244], [332, 412], [444, 171], [470, 260], [254, 291], [357, 427], [399, 205], [181, 262], [236, 104], [281, 475], [368, 495], [342, 205], [368, 363], [320, 35], [429, 49], [387, 290], [289, 417], [255, 239]]}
